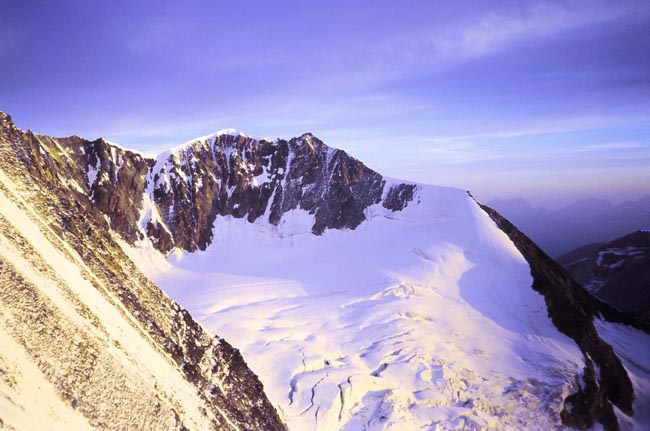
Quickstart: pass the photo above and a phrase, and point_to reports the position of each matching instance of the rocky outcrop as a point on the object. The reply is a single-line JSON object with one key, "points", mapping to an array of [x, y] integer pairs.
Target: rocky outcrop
{"points": [[62, 201], [116, 183], [572, 310], [399, 196]]}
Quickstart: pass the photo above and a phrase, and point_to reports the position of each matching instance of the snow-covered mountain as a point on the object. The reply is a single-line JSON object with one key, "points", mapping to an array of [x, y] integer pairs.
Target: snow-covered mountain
{"points": [[618, 272], [360, 301], [174, 199]]}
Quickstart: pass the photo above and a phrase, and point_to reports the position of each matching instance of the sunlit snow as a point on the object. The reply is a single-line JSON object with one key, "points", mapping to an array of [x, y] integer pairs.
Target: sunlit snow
{"points": [[419, 319]]}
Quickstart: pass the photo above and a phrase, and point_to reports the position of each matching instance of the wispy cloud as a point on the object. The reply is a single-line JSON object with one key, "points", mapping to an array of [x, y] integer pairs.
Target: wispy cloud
{"points": [[468, 154], [548, 125], [615, 146], [492, 32]]}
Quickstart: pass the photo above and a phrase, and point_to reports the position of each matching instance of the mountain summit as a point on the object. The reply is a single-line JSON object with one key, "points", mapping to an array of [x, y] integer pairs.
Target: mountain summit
{"points": [[175, 198], [361, 302]]}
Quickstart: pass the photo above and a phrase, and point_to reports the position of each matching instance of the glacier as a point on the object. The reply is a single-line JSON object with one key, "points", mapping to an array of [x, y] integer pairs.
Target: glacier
{"points": [[418, 319]]}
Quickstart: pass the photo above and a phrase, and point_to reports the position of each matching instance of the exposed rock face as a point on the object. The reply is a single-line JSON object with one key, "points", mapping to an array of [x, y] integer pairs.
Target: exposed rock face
{"points": [[572, 310], [399, 196], [618, 272], [115, 179], [114, 348], [233, 175], [176, 198]]}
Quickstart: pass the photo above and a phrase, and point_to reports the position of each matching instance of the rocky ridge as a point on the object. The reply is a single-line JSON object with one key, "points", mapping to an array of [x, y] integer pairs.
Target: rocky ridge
{"points": [[114, 348], [174, 199], [573, 310]]}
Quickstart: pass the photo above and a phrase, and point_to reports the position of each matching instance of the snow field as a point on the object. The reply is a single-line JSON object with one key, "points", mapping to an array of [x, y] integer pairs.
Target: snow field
{"points": [[419, 319]]}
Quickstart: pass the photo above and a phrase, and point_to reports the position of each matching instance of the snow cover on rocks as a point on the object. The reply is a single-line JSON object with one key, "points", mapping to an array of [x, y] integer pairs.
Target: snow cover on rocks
{"points": [[419, 319]]}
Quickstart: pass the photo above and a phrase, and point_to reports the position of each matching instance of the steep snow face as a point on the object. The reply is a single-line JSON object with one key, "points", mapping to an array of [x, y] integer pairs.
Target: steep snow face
{"points": [[418, 319]]}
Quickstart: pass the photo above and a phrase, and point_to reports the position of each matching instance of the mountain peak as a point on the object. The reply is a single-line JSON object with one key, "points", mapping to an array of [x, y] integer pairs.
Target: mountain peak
{"points": [[6, 120], [228, 174], [175, 199], [231, 132]]}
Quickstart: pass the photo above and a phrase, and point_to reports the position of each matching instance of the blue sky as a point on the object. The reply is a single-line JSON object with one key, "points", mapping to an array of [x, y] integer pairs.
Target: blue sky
{"points": [[546, 100]]}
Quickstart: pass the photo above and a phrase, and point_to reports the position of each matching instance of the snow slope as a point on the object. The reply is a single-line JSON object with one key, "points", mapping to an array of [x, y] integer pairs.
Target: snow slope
{"points": [[418, 319]]}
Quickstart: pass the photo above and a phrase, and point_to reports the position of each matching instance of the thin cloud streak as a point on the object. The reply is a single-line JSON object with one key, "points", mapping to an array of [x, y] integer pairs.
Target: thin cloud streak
{"points": [[496, 32]]}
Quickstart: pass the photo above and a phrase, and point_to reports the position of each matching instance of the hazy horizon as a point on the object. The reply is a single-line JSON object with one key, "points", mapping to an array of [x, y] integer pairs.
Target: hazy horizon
{"points": [[561, 203], [549, 101]]}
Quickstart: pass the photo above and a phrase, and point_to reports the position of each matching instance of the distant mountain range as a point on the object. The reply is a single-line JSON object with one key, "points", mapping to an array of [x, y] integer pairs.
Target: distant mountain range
{"points": [[618, 272], [582, 222]]}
